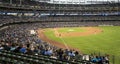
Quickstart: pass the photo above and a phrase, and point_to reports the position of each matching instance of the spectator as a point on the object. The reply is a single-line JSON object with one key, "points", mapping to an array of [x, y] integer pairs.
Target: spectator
{"points": [[23, 49]]}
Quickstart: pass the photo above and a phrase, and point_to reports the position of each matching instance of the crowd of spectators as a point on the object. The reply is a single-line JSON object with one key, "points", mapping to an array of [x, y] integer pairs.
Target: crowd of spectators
{"points": [[6, 19], [17, 38]]}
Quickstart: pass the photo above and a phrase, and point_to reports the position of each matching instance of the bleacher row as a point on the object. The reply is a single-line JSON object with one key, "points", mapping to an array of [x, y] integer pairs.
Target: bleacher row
{"points": [[34, 5], [7, 57], [87, 8], [5, 19]]}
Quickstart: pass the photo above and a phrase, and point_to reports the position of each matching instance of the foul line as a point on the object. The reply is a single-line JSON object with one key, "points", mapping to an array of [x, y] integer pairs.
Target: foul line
{"points": [[61, 38], [64, 43]]}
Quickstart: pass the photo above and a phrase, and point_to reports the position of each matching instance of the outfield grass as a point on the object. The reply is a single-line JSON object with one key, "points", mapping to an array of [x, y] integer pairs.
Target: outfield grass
{"points": [[107, 42]]}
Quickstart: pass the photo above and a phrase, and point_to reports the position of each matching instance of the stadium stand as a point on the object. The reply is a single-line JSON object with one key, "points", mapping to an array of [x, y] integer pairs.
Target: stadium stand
{"points": [[18, 46]]}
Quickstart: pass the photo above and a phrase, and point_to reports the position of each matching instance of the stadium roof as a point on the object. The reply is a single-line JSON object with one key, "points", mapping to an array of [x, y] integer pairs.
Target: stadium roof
{"points": [[79, 1]]}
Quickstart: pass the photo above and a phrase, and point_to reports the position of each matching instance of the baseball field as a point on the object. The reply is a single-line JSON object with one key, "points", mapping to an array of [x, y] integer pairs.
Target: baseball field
{"points": [[100, 40]]}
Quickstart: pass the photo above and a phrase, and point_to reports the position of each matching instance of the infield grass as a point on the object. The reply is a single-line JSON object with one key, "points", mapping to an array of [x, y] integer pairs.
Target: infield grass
{"points": [[107, 42]]}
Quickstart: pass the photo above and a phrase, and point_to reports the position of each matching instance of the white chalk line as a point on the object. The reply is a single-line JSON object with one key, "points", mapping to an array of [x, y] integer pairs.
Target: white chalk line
{"points": [[64, 43], [62, 39]]}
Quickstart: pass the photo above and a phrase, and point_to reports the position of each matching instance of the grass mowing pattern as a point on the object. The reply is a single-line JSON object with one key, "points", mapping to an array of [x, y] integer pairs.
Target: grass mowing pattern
{"points": [[106, 42]]}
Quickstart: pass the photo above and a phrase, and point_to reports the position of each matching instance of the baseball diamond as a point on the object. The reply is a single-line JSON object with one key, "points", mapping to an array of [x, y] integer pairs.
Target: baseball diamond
{"points": [[98, 36]]}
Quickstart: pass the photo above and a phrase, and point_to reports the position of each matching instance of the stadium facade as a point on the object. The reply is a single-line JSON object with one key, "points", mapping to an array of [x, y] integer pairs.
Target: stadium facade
{"points": [[79, 1]]}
